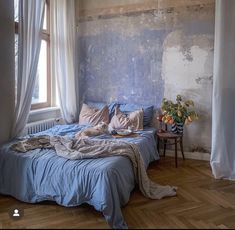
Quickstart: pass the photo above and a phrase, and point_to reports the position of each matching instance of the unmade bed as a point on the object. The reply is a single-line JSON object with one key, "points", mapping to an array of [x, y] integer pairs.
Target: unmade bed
{"points": [[105, 183]]}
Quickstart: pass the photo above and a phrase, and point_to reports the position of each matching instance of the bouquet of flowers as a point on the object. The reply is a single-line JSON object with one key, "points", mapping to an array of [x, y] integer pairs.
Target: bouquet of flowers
{"points": [[178, 112]]}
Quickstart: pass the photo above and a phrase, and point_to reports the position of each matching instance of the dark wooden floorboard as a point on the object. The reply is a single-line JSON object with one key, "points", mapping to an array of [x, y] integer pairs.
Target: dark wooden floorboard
{"points": [[201, 202]]}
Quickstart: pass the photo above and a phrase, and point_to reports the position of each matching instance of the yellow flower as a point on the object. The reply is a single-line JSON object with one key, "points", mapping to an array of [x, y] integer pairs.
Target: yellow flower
{"points": [[163, 118], [179, 113]]}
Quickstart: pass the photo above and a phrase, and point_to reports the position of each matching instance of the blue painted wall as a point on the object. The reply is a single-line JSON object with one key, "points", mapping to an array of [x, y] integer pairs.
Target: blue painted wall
{"points": [[140, 53], [118, 67]]}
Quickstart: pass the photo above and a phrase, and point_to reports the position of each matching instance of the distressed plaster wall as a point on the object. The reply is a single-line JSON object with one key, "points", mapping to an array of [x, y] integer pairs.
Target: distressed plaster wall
{"points": [[141, 51]]}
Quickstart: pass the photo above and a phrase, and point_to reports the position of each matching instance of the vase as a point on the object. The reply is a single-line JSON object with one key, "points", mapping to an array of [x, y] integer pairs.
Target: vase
{"points": [[177, 128]]}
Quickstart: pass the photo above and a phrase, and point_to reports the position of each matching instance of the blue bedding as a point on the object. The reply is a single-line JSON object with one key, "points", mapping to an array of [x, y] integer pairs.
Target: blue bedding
{"points": [[104, 183]]}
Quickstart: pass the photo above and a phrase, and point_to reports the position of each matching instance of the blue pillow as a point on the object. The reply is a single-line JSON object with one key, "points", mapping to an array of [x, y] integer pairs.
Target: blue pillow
{"points": [[112, 107], [148, 111], [97, 105]]}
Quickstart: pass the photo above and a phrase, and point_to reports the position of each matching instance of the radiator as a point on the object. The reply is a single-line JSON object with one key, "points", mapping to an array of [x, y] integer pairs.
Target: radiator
{"points": [[35, 127]]}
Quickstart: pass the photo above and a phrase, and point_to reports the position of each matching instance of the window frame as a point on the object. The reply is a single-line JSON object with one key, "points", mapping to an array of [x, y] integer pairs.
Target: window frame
{"points": [[45, 35]]}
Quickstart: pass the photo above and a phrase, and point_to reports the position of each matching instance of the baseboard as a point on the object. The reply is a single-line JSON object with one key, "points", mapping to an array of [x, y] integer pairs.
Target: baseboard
{"points": [[190, 155]]}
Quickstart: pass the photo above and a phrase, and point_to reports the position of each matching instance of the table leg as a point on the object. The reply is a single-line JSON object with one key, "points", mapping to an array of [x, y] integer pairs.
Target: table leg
{"points": [[181, 147], [176, 153], [164, 150], [158, 144]]}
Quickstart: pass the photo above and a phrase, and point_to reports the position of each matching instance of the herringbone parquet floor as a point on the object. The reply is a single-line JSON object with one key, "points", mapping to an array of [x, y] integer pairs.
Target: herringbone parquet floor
{"points": [[201, 202]]}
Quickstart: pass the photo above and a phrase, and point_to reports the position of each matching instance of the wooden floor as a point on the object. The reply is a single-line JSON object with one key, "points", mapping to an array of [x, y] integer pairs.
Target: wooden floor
{"points": [[201, 202]]}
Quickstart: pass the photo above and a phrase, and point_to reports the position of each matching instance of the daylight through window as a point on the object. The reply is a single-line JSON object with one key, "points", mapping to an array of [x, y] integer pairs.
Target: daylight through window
{"points": [[42, 91]]}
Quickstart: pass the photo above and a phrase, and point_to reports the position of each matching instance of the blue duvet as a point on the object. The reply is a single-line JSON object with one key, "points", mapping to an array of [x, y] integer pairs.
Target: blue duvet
{"points": [[104, 183]]}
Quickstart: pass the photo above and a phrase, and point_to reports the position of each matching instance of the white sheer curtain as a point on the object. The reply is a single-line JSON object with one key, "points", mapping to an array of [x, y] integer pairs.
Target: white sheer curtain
{"points": [[63, 53], [223, 114], [29, 42]]}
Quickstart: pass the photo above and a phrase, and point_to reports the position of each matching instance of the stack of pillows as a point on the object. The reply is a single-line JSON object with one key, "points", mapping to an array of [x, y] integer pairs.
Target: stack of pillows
{"points": [[117, 115]]}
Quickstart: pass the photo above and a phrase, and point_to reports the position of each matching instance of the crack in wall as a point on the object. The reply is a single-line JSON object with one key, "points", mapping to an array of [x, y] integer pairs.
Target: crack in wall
{"points": [[201, 80]]}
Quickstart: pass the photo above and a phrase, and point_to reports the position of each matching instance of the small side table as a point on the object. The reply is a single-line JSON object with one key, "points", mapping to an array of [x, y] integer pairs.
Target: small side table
{"points": [[165, 136]]}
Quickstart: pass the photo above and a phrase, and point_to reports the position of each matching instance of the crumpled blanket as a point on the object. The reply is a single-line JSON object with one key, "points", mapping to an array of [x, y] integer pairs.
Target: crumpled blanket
{"points": [[75, 149], [32, 143]]}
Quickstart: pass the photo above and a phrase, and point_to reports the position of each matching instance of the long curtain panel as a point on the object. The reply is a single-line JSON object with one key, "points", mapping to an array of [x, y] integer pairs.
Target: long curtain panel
{"points": [[223, 108], [63, 56], [29, 42]]}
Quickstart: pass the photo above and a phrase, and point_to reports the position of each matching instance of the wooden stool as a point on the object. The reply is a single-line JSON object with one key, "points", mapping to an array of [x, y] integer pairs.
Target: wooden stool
{"points": [[165, 136]]}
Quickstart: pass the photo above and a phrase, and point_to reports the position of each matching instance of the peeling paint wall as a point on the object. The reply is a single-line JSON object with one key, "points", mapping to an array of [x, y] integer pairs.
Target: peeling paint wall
{"points": [[141, 51]]}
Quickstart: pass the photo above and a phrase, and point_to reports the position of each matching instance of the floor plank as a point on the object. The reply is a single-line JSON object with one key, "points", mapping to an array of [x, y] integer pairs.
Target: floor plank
{"points": [[201, 203]]}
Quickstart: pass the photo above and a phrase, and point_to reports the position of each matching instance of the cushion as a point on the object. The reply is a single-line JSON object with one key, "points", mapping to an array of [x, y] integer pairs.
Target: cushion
{"points": [[121, 120], [93, 116], [100, 105], [148, 111]]}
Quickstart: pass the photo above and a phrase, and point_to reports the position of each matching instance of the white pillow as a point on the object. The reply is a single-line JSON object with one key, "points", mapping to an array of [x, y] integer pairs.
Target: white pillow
{"points": [[92, 116], [121, 121]]}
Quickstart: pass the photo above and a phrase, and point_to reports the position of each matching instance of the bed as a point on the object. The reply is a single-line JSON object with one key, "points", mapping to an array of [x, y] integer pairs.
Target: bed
{"points": [[105, 183]]}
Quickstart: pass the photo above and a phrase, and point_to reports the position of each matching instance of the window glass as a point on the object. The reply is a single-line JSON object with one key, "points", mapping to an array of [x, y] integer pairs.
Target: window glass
{"points": [[16, 11], [45, 18], [41, 94], [16, 61], [40, 89]]}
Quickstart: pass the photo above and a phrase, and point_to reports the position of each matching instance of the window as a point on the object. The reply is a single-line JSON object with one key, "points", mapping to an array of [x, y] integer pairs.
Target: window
{"points": [[42, 92]]}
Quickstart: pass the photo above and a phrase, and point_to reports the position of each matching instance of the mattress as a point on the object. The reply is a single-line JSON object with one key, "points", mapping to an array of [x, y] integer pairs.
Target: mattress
{"points": [[105, 183]]}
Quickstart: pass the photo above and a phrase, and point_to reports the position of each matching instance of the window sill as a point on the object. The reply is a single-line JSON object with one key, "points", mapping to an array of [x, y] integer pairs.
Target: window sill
{"points": [[44, 110], [43, 114]]}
